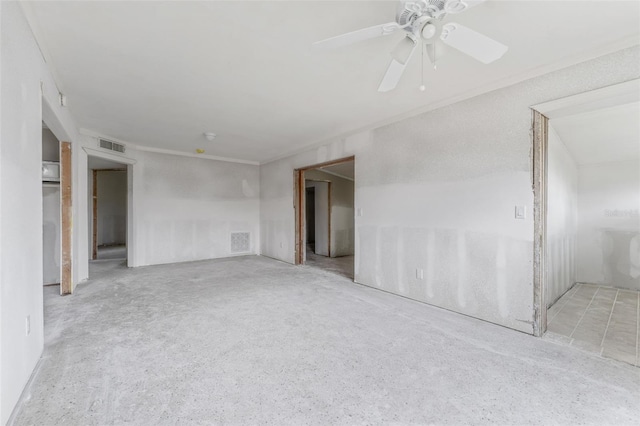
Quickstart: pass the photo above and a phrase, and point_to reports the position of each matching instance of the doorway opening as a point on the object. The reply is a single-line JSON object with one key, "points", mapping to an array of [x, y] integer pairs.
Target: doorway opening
{"points": [[325, 231], [57, 225], [108, 211], [589, 222], [51, 208]]}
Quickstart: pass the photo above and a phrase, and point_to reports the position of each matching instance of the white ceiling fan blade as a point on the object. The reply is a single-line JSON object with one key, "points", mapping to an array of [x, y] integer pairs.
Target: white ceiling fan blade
{"points": [[474, 44], [472, 3], [402, 51], [459, 6], [394, 73], [356, 36]]}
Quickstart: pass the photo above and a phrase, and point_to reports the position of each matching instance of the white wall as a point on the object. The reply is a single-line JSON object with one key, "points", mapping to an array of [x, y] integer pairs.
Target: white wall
{"points": [[342, 217], [180, 208], [188, 207], [609, 224], [51, 233], [22, 71], [321, 218], [342, 213], [437, 193], [562, 218], [112, 207], [50, 146]]}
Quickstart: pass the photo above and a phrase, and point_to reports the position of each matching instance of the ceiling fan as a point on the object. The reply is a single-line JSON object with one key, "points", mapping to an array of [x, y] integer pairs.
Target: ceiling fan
{"points": [[422, 23]]}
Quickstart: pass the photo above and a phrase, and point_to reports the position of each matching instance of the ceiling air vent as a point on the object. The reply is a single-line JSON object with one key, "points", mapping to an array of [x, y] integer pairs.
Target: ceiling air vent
{"points": [[112, 146]]}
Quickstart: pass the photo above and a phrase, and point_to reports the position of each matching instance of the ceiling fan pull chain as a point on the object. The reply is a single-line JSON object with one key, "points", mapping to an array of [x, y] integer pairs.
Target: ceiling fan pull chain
{"points": [[435, 57], [422, 86]]}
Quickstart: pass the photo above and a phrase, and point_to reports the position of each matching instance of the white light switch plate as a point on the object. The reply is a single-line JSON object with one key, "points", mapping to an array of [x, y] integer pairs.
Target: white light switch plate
{"points": [[521, 212]]}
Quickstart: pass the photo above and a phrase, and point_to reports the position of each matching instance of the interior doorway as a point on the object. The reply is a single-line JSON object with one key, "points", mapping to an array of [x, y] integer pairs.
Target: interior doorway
{"points": [[51, 208], [590, 219], [325, 231], [108, 210]]}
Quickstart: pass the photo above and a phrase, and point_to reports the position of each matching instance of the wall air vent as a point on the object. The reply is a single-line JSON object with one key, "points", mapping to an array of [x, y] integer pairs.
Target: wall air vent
{"points": [[112, 146], [240, 242]]}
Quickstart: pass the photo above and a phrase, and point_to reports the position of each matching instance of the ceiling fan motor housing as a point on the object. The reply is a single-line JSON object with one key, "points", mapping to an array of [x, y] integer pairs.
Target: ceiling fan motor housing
{"points": [[408, 11], [422, 20]]}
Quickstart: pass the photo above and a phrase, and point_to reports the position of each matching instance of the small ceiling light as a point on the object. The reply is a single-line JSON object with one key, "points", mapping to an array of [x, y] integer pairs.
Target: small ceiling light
{"points": [[209, 135]]}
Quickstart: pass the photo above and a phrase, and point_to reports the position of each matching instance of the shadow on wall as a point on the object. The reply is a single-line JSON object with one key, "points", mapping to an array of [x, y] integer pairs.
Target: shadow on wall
{"points": [[112, 207], [621, 254]]}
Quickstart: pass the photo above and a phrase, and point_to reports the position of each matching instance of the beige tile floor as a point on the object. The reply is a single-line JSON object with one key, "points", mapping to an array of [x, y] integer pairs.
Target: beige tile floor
{"points": [[599, 319]]}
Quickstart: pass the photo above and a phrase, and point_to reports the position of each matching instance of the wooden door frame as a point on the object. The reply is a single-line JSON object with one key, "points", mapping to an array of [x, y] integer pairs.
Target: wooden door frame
{"points": [[94, 219], [540, 132], [299, 205], [66, 219], [604, 97]]}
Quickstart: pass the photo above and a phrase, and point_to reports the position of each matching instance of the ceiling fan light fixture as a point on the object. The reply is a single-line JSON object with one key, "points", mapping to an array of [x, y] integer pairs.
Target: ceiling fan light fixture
{"points": [[429, 30]]}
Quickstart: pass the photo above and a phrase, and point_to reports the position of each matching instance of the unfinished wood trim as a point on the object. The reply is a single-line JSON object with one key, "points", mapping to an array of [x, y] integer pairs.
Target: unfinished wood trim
{"points": [[329, 220], [540, 127], [66, 280], [94, 250], [299, 209]]}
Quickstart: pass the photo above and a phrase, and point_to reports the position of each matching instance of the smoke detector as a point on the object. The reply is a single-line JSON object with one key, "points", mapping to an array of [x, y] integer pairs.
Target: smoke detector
{"points": [[210, 135]]}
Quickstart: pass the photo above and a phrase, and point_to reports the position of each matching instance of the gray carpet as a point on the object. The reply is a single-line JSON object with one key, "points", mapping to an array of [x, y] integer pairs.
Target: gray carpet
{"points": [[255, 341]]}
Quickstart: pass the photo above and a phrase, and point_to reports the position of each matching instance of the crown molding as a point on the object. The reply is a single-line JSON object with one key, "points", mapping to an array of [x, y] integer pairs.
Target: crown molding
{"points": [[137, 147], [616, 46]]}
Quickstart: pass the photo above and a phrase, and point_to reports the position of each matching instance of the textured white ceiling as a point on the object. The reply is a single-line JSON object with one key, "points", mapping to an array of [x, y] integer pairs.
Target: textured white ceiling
{"points": [[160, 74], [610, 134]]}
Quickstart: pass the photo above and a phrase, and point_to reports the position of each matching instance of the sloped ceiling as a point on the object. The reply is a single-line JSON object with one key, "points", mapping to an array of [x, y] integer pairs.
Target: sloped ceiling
{"points": [[160, 74], [604, 135]]}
